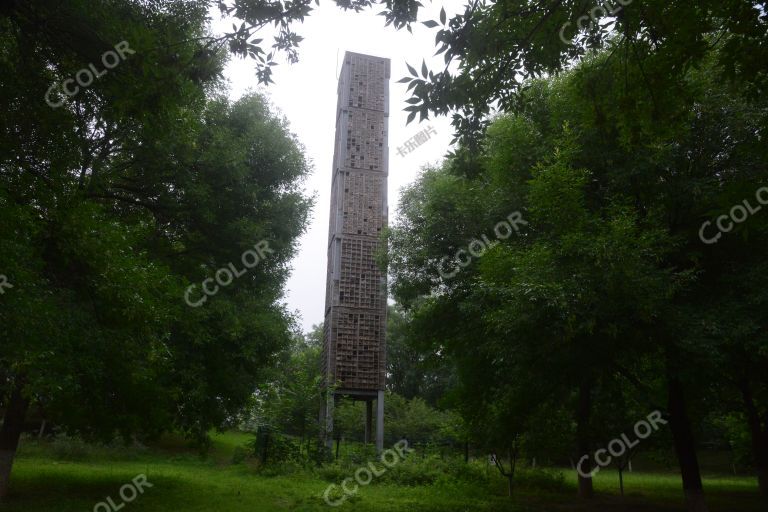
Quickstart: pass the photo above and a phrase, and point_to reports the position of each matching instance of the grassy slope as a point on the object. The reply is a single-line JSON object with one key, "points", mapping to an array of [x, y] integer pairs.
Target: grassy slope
{"points": [[185, 482]]}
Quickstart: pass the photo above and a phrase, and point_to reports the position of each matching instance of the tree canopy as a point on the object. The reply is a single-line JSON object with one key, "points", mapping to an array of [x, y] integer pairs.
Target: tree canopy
{"points": [[603, 293], [118, 200]]}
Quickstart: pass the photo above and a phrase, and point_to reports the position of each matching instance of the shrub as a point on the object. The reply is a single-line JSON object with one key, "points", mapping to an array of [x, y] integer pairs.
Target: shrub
{"points": [[240, 453], [542, 479], [70, 448], [283, 468], [472, 472], [414, 472], [273, 447], [282, 454], [334, 472]]}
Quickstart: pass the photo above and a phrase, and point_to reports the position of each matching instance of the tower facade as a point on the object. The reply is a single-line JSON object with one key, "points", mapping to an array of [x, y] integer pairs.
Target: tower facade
{"points": [[354, 348]]}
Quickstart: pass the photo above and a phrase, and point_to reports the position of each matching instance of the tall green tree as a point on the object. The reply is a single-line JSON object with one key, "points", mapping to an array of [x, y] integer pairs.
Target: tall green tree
{"points": [[413, 371], [290, 399], [492, 49], [607, 277], [113, 201]]}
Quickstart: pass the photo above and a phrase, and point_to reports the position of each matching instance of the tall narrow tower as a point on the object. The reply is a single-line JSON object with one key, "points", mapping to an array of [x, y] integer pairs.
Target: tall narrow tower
{"points": [[356, 297]]}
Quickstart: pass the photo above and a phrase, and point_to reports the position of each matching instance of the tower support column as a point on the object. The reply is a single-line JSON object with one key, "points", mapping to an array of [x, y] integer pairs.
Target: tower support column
{"points": [[368, 420], [326, 420], [380, 421]]}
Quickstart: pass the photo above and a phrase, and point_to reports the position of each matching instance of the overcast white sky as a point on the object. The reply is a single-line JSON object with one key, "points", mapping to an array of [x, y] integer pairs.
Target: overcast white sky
{"points": [[306, 94]]}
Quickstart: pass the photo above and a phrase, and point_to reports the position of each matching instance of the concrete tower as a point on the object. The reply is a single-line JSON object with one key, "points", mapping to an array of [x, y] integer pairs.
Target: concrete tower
{"points": [[356, 298]]}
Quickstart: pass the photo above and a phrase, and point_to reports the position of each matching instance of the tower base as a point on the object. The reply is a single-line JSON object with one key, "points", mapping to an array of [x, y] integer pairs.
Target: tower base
{"points": [[327, 413]]}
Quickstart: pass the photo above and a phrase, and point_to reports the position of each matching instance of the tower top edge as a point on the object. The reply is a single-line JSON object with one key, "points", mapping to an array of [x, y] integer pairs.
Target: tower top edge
{"points": [[372, 57]]}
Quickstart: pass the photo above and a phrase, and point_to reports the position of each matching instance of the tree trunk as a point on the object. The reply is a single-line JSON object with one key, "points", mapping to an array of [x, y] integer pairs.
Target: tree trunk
{"points": [[759, 434], [13, 423], [583, 442], [265, 453], [685, 448], [466, 452], [512, 453], [621, 480], [512, 465]]}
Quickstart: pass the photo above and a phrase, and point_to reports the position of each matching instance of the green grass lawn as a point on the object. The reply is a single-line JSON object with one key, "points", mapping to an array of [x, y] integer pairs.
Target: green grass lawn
{"points": [[44, 479]]}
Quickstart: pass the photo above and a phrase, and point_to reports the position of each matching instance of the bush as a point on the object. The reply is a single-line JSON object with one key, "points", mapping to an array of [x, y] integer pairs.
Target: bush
{"points": [[273, 447], [472, 472], [542, 479], [354, 453], [414, 472], [429, 470], [70, 448], [334, 472], [410, 472], [240, 453], [281, 454], [284, 468]]}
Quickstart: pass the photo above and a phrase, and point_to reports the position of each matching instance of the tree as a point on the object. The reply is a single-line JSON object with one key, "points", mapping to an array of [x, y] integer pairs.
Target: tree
{"points": [[290, 398], [607, 276], [415, 421], [410, 372], [117, 201], [71, 25], [494, 49]]}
